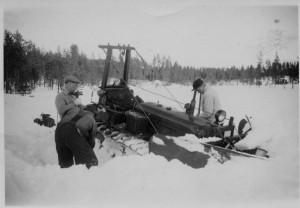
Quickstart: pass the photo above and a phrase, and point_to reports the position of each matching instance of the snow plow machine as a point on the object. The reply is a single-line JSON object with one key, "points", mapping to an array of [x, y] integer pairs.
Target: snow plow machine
{"points": [[127, 125]]}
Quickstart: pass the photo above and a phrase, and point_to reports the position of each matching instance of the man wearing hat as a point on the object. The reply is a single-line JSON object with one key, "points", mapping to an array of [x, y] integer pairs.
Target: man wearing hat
{"points": [[75, 133], [209, 101]]}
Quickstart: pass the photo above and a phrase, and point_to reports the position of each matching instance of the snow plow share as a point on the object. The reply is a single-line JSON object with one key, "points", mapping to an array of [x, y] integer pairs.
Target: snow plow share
{"points": [[128, 125]]}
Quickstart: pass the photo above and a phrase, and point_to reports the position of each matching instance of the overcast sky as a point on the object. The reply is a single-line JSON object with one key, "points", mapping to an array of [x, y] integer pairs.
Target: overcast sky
{"points": [[194, 33]]}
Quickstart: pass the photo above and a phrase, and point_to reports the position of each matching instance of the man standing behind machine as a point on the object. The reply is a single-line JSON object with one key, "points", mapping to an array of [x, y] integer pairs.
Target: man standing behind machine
{"points": [[209, 101]]}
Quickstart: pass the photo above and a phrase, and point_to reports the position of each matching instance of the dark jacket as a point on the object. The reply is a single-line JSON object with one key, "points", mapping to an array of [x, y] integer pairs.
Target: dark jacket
{"points": [[67, 110]]}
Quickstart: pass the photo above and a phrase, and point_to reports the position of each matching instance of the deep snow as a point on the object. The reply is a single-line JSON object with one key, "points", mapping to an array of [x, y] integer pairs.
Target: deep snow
{"points": [[33, 177]]}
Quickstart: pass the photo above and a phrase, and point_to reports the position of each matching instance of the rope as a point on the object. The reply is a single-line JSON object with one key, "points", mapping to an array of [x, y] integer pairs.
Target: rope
{"points": [[172, 96], [174, 99], [161, 82], [169, 98], [142, 59], [155, 93]]}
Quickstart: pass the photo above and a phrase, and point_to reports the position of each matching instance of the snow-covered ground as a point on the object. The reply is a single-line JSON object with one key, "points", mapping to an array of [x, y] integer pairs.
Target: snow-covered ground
{"points": [[33, 177]]}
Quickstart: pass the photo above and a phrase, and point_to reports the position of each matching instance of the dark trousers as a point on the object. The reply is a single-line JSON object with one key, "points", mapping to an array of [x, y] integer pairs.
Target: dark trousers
{"points": [[70, 144]]}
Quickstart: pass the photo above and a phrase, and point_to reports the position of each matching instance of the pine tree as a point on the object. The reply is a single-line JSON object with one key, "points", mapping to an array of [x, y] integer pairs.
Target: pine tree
{"points": [[276, 68]]}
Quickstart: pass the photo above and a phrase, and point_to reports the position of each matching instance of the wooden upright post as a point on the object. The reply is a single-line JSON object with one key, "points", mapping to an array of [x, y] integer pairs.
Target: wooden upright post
{"points": [[106, 67]]}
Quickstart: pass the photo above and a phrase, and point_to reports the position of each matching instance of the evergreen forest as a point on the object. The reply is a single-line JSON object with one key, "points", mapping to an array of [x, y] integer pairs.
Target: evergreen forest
{"points": [[26, 66]]}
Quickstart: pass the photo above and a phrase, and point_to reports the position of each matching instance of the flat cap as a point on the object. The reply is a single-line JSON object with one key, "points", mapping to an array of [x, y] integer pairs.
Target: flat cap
{"points": [[197, 83], [71, 78]]}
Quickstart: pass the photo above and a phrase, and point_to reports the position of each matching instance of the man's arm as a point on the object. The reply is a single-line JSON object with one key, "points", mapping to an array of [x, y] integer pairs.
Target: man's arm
{"points": [[88, 128]]}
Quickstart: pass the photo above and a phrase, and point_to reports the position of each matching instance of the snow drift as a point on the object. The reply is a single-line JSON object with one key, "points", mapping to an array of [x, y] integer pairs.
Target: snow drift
{"points": [[33, 177]]}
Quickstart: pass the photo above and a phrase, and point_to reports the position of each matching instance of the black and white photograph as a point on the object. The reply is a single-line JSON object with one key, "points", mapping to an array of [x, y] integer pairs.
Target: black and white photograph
{"points": [[150, 103]]}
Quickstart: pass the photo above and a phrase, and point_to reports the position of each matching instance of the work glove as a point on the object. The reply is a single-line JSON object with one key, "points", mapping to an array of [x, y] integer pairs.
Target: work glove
{"points": [[77, 101]]}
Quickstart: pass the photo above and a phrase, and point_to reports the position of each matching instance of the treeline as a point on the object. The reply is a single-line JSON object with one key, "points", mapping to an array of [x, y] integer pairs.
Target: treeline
{"points": [[163, 69], [27, 65]]}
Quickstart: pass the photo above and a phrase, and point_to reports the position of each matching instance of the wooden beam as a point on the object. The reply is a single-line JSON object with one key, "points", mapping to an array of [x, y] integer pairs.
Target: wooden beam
{"points": [[116, 47]]}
